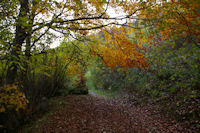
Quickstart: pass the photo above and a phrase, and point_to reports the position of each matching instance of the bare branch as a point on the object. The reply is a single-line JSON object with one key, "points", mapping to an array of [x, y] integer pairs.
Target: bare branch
{"points": [[36, 40]]}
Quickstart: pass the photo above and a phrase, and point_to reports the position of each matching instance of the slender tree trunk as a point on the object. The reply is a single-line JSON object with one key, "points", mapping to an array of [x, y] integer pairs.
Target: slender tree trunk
{"points": [[20, 36]]}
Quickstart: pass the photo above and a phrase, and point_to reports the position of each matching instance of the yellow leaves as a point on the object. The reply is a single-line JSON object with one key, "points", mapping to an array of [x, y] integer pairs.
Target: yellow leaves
{"points": [[97, 4], [171, 19], [12, 98], [140, 45], [2, 109], [118, 50], [130, 30], [73, 69], [45, 12], [167, 18]]}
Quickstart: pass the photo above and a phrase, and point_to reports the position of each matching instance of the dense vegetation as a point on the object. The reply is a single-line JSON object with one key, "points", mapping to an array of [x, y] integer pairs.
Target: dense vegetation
{"points": [[151, 53]]}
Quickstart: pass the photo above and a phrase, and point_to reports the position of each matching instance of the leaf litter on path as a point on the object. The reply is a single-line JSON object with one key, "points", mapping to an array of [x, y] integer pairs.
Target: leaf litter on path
{"points": [[94, 114]]}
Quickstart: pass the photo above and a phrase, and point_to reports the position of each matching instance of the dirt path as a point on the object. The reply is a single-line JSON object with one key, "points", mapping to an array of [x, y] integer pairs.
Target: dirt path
{"points": [[94, 114]]}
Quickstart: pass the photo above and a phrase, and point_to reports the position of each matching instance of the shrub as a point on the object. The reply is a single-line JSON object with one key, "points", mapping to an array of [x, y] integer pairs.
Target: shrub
{"points": [[12, 104], [11, 98], [101, 77]]}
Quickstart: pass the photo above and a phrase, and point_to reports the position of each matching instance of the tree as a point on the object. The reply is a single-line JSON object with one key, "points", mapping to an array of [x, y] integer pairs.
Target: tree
{"points": [[172, 22], [35, 23], [116, 49]]}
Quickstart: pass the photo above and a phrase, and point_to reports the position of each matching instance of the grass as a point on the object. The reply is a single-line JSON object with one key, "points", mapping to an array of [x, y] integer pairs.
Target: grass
{"points": [[105, 93]]}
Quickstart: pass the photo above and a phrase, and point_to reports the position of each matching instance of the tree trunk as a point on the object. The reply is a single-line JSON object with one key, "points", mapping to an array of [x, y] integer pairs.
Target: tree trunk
{"points": [[20, 36]]}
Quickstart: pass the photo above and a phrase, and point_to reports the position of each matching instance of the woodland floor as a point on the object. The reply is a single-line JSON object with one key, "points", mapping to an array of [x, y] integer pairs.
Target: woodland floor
{"points": [[96, 114]]}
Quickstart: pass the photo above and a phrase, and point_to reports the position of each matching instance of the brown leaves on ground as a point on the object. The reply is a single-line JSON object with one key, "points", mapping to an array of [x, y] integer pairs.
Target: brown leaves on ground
{"points": [[94, 114]]}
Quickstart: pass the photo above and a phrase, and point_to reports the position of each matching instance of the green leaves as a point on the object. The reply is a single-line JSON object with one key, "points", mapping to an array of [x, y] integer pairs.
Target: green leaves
{"points": [[104, 1]]}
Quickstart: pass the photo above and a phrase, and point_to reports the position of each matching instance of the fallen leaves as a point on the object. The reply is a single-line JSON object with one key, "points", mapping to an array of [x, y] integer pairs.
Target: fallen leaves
{"points": [[95, 114]]}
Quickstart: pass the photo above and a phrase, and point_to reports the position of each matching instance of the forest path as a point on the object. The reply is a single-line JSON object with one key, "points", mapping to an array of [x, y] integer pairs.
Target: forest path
{"points": [[96, 114]]}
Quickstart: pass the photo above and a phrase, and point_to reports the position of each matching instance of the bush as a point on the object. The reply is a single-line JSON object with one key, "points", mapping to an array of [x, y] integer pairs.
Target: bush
{"points": [[11, 98], [101, 77], [45, 76], [12, 102]]}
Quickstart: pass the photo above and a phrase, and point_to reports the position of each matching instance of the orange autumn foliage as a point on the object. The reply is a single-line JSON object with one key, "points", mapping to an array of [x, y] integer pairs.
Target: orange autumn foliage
{"points": [[162, 21], [118, 50], [173, 20]]}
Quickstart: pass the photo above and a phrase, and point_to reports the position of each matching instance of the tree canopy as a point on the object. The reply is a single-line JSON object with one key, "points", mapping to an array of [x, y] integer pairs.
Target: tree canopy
{"points": [[31, 24]]}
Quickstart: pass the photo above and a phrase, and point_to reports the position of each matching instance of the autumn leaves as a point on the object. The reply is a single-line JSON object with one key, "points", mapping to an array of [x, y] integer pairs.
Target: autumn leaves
{"points": [[116, 49], [161, 22]]}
